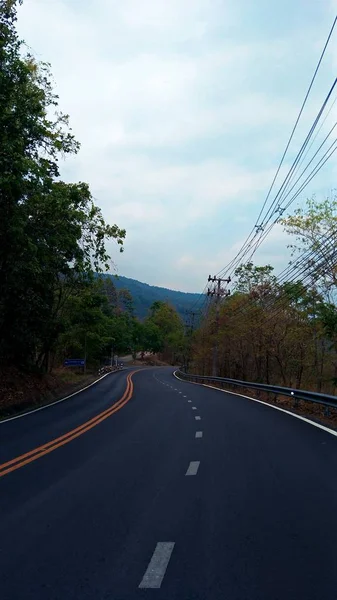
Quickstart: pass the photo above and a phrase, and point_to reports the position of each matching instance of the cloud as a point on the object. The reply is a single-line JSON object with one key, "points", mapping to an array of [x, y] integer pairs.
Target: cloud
{"points": [[183, 109], [274, 251], [140, 189]]}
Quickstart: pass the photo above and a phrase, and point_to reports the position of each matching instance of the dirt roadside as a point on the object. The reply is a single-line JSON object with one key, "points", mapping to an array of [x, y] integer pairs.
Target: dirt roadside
{"points": [[20, 392]]}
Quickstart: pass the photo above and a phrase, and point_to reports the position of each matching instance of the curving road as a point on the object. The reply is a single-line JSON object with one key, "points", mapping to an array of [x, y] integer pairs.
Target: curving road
{"points": [[144, 486]]}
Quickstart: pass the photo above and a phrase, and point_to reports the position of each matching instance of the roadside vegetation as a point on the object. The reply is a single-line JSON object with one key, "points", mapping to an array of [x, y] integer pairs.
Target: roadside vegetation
{"points": [[281, 330], [54, 303]]}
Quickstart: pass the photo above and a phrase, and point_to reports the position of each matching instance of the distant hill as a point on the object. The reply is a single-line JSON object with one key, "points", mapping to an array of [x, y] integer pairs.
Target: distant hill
{"points": [[144, 295]]}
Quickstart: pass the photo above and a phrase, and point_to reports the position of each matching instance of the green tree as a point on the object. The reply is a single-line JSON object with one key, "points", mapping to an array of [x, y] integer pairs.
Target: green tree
{"points": [[152, 340], [255, 280], [52, 236], [167, 321], [287, 336], [314, 228]]}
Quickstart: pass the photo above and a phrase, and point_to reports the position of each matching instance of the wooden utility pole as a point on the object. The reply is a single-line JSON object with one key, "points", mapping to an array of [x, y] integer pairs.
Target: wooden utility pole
{"points": [[217, 292]]}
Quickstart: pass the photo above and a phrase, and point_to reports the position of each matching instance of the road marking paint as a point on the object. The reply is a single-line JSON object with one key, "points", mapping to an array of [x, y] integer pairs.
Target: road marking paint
{"points": [[180, 392], [156, 570], [194, 408], [197, 418], [189, 401], [198, 434], [28, 457], [185, 396], [288, 412], [193, 467]]}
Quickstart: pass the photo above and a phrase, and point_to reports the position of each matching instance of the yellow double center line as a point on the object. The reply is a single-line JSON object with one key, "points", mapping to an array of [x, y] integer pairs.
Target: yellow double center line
{"points": [[24, 459]]}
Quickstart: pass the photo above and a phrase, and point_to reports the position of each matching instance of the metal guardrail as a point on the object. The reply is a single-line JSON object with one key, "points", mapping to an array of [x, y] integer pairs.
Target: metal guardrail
{"points": [[323, 399]]}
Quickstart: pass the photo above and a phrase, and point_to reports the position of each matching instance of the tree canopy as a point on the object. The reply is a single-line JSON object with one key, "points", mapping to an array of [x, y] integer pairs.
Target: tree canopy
{"points": [[52, 235]]}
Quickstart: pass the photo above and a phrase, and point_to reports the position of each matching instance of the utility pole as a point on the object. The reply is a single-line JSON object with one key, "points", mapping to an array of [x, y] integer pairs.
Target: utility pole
{"points": [[193, 314], [189, 330], [217, 292]]}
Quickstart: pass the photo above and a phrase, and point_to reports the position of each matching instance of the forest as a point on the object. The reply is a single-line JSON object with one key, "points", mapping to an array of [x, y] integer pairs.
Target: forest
{"points": [[144, 295]]}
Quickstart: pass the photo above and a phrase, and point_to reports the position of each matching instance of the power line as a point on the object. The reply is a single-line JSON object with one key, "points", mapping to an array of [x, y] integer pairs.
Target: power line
{"points": [[312, 158], [316, 135], [313, 173], [254, 245], [306, 265], [301, 151], [248, 239], [312, 267], [310, 256], [299, 116], [282, 209], [199, 298]]}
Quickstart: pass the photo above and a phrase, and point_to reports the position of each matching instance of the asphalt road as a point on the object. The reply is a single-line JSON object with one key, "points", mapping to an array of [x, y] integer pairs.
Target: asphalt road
{"points": [[147, 501]]}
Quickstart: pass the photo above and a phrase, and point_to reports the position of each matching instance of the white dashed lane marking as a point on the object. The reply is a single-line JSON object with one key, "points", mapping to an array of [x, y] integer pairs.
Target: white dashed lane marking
{"points": [[198, 434], [155, 572], [193, 467], [194, 408], [197, 418]]}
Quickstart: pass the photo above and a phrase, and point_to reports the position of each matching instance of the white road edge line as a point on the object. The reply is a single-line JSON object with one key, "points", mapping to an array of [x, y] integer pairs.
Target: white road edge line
{"points": [[318, 425], [155, 572], [30, 412], [198, 434], [197, 418], [193, 467]]}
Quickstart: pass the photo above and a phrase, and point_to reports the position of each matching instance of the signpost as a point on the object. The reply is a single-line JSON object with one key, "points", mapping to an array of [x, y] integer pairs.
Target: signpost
{"points": [[74, 362]]}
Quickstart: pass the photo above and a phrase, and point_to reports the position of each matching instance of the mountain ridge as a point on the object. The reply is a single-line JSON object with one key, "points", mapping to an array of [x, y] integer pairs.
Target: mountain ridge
{"points": [[144, 295]]}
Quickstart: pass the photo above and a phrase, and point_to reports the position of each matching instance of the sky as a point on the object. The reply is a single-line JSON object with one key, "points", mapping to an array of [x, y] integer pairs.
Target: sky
{"points": [[183, 109]]}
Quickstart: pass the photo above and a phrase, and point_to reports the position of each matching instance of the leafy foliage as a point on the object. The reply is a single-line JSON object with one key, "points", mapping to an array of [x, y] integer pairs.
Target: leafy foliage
{"points": [[314, 228], [165, 327], [52, 235]]}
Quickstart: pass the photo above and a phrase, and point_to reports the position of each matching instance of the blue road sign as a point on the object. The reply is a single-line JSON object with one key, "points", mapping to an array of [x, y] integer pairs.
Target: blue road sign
{"points": [[74, 362]]}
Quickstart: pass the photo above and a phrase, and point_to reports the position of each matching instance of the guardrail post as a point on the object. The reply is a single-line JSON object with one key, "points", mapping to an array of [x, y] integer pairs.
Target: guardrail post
{"points": [[296, 400], [327, 411]]}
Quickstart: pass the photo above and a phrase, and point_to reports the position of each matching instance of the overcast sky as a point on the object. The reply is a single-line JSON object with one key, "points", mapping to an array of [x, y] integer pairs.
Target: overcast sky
{"points": [[183, 109]]}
